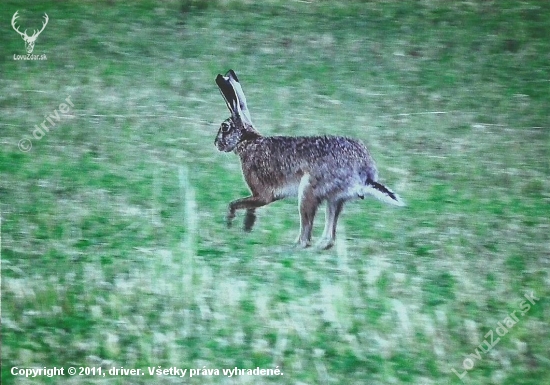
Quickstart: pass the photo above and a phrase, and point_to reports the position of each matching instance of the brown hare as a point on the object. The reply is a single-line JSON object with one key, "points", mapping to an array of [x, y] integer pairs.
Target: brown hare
{"points": [[334, 169]]}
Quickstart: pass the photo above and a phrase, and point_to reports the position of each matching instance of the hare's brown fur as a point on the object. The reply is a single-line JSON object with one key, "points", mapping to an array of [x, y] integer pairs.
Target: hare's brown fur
{"points": [[334, 169]]}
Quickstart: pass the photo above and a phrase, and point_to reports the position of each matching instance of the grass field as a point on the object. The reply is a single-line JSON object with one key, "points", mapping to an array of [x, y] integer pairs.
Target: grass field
{"points": [[114, 248]]}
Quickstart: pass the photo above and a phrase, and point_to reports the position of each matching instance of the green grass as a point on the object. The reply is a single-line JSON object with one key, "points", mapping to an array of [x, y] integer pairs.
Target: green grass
{"points": [[114, 248]]}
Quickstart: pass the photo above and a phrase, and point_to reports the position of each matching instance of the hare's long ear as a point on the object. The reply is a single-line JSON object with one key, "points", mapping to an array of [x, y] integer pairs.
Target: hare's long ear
{"points": [[229, 95], [231, 76]]}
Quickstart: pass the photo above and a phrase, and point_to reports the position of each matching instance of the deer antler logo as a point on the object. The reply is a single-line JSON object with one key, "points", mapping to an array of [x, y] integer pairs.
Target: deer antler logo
{"points": [[29, 40]]}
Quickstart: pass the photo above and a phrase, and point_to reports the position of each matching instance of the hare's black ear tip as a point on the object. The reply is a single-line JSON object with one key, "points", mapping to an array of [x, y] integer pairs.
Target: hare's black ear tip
{"points": [[220, 80], [233, 74]]}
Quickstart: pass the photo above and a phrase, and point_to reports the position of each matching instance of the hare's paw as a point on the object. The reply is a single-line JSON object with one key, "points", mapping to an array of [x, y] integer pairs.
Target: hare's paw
{"points": [[229, 218], [303, 243], [249, 220], [325, 243]]}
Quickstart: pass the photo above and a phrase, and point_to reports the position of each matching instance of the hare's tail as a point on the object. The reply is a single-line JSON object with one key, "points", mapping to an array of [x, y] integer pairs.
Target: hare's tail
{"points": [[379, 191]]}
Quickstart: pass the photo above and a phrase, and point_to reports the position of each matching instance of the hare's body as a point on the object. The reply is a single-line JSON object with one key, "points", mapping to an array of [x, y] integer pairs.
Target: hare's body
{"points": [[316, 169], [285, 160]]}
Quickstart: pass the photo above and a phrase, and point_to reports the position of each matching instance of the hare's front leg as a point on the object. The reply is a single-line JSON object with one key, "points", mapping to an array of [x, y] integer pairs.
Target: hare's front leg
{"points": [[308, 207], [249, 219], [250, 203], [334, 208]]}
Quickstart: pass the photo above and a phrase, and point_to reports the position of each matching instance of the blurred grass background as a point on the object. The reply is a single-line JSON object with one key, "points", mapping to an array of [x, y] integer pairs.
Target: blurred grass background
{"points": [[113, 244]]}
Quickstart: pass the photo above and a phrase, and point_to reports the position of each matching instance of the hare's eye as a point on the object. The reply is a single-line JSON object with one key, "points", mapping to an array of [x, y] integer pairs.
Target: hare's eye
{"points": [[225, 127]]}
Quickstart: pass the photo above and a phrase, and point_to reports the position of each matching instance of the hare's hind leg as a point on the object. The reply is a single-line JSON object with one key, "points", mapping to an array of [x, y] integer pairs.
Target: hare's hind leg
{"points": [[334, 208], [308, 204]]}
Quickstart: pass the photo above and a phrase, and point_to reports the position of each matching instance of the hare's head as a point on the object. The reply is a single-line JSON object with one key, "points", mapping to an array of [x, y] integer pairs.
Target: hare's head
{"points": [[238, 127], [232, 131]]}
